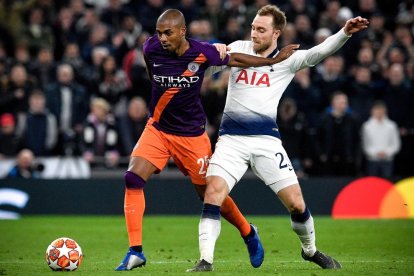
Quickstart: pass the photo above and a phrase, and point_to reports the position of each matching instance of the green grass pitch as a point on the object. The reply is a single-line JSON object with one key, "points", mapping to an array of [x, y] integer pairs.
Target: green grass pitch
{"points": [[364, 247]]}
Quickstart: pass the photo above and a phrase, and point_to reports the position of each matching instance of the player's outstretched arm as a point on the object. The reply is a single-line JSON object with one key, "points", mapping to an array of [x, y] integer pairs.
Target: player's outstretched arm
{"points": [[355, 25], [243, 60]]}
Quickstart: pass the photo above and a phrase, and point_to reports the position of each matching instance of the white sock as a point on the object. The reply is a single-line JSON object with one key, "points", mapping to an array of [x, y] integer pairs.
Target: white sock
{"points": [[208, 233], [306, 233]]}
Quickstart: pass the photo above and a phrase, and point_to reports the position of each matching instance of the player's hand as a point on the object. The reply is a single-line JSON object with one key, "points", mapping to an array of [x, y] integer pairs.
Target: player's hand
{"points": [[222, 49], [286, 52], [356, 24]]}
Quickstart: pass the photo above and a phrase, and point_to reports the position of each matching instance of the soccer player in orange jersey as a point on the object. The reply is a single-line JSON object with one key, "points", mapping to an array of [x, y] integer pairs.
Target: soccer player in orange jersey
{"points": [[176, 126]]}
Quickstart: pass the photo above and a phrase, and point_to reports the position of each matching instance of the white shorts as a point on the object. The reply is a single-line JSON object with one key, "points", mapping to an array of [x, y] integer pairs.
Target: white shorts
{"points": [[265, 155]]}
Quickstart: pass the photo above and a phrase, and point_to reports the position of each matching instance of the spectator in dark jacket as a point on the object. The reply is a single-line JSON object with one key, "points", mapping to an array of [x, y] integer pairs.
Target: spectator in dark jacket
{"points": [[68, 101], [39, 126], [338, 137], [132, 124]]}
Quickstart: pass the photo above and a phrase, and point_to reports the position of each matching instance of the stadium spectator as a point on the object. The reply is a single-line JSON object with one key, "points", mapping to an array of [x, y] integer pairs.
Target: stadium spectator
{"points": [[68, 102], [214, 13], [98, 37], [72, 57], [380, 142], [132, 124], [136, 72], [114, 14], [304, 31], [100, 136], [293, 128], [92, 73], [64, 31], [10, 142], [12, 15], [293, 8], [149, 13], [201, 29], [328, 18], [362, 93], [38, 126], [44, 67], [85, 24], [366, 8], [321, 34], [306, 96], [377, 32], [232, 31], [338, 137], [213, 97], [289, 35], [21, 54], [397, 93], [36, 33], [189, 8], [330, 77], [112, 85], [366, 58], [131, 29], [236, 9], [16, 91], [25, 167]]}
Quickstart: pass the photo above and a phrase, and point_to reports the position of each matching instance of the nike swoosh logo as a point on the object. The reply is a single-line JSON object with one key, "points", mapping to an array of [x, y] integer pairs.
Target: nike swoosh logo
{"points": [[157, 65]]}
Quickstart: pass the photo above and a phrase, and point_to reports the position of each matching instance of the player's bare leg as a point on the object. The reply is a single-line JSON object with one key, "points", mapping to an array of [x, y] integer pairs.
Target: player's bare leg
{"points": [[139, 171], [302, 224]]}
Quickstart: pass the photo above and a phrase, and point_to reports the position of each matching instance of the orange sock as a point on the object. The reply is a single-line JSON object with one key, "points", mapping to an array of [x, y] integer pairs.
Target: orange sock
{"points": [[134, 207], [232, 214]]}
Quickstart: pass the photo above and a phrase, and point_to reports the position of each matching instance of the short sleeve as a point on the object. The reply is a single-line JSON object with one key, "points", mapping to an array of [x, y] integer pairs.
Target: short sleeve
{"points": [[213, 56], [235, 47]]}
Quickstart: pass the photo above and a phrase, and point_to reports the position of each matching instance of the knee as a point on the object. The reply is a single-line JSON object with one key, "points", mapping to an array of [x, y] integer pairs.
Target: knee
{"points": [[296, 207], [216, 192], [133, 181]]}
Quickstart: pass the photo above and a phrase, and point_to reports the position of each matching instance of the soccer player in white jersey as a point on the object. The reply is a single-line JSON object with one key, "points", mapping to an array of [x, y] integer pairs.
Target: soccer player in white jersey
{"points": [[249, 134]]}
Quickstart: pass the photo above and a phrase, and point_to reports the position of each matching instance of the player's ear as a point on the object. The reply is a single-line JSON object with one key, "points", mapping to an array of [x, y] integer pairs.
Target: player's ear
{"points": [[183, 31], [276, 33]]}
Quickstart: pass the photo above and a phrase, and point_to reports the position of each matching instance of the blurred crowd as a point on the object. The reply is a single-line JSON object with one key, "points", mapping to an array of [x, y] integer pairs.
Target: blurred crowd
{"points": [[73, 80]]}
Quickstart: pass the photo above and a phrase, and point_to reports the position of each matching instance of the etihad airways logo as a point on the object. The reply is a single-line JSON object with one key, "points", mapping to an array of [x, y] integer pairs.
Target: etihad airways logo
{"points": [[179, 82]]}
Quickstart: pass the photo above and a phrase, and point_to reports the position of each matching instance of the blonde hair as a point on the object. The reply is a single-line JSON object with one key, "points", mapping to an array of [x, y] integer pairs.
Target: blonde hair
{"points": [[101, 103], [279, 17]]}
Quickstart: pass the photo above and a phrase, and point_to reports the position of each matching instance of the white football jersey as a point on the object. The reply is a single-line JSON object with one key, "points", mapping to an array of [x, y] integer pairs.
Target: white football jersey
{"points": [[254, 93]]}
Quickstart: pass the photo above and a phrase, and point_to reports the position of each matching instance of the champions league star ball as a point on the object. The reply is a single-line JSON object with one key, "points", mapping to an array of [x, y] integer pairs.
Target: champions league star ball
{"points": [[64, 254]]}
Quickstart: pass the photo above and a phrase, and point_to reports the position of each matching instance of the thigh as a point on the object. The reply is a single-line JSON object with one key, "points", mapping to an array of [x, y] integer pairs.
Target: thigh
{"points": [[151, 146], [232, 155], [270, 161], [191, 155]]}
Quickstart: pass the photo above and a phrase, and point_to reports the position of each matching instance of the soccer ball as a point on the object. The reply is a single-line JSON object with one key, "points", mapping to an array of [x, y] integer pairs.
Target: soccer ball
{"points": [[64, 254]]}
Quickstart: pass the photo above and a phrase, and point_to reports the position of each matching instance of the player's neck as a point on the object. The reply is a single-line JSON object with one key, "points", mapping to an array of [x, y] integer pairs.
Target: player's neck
{"points": [[183, 47], [268, 51]]}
